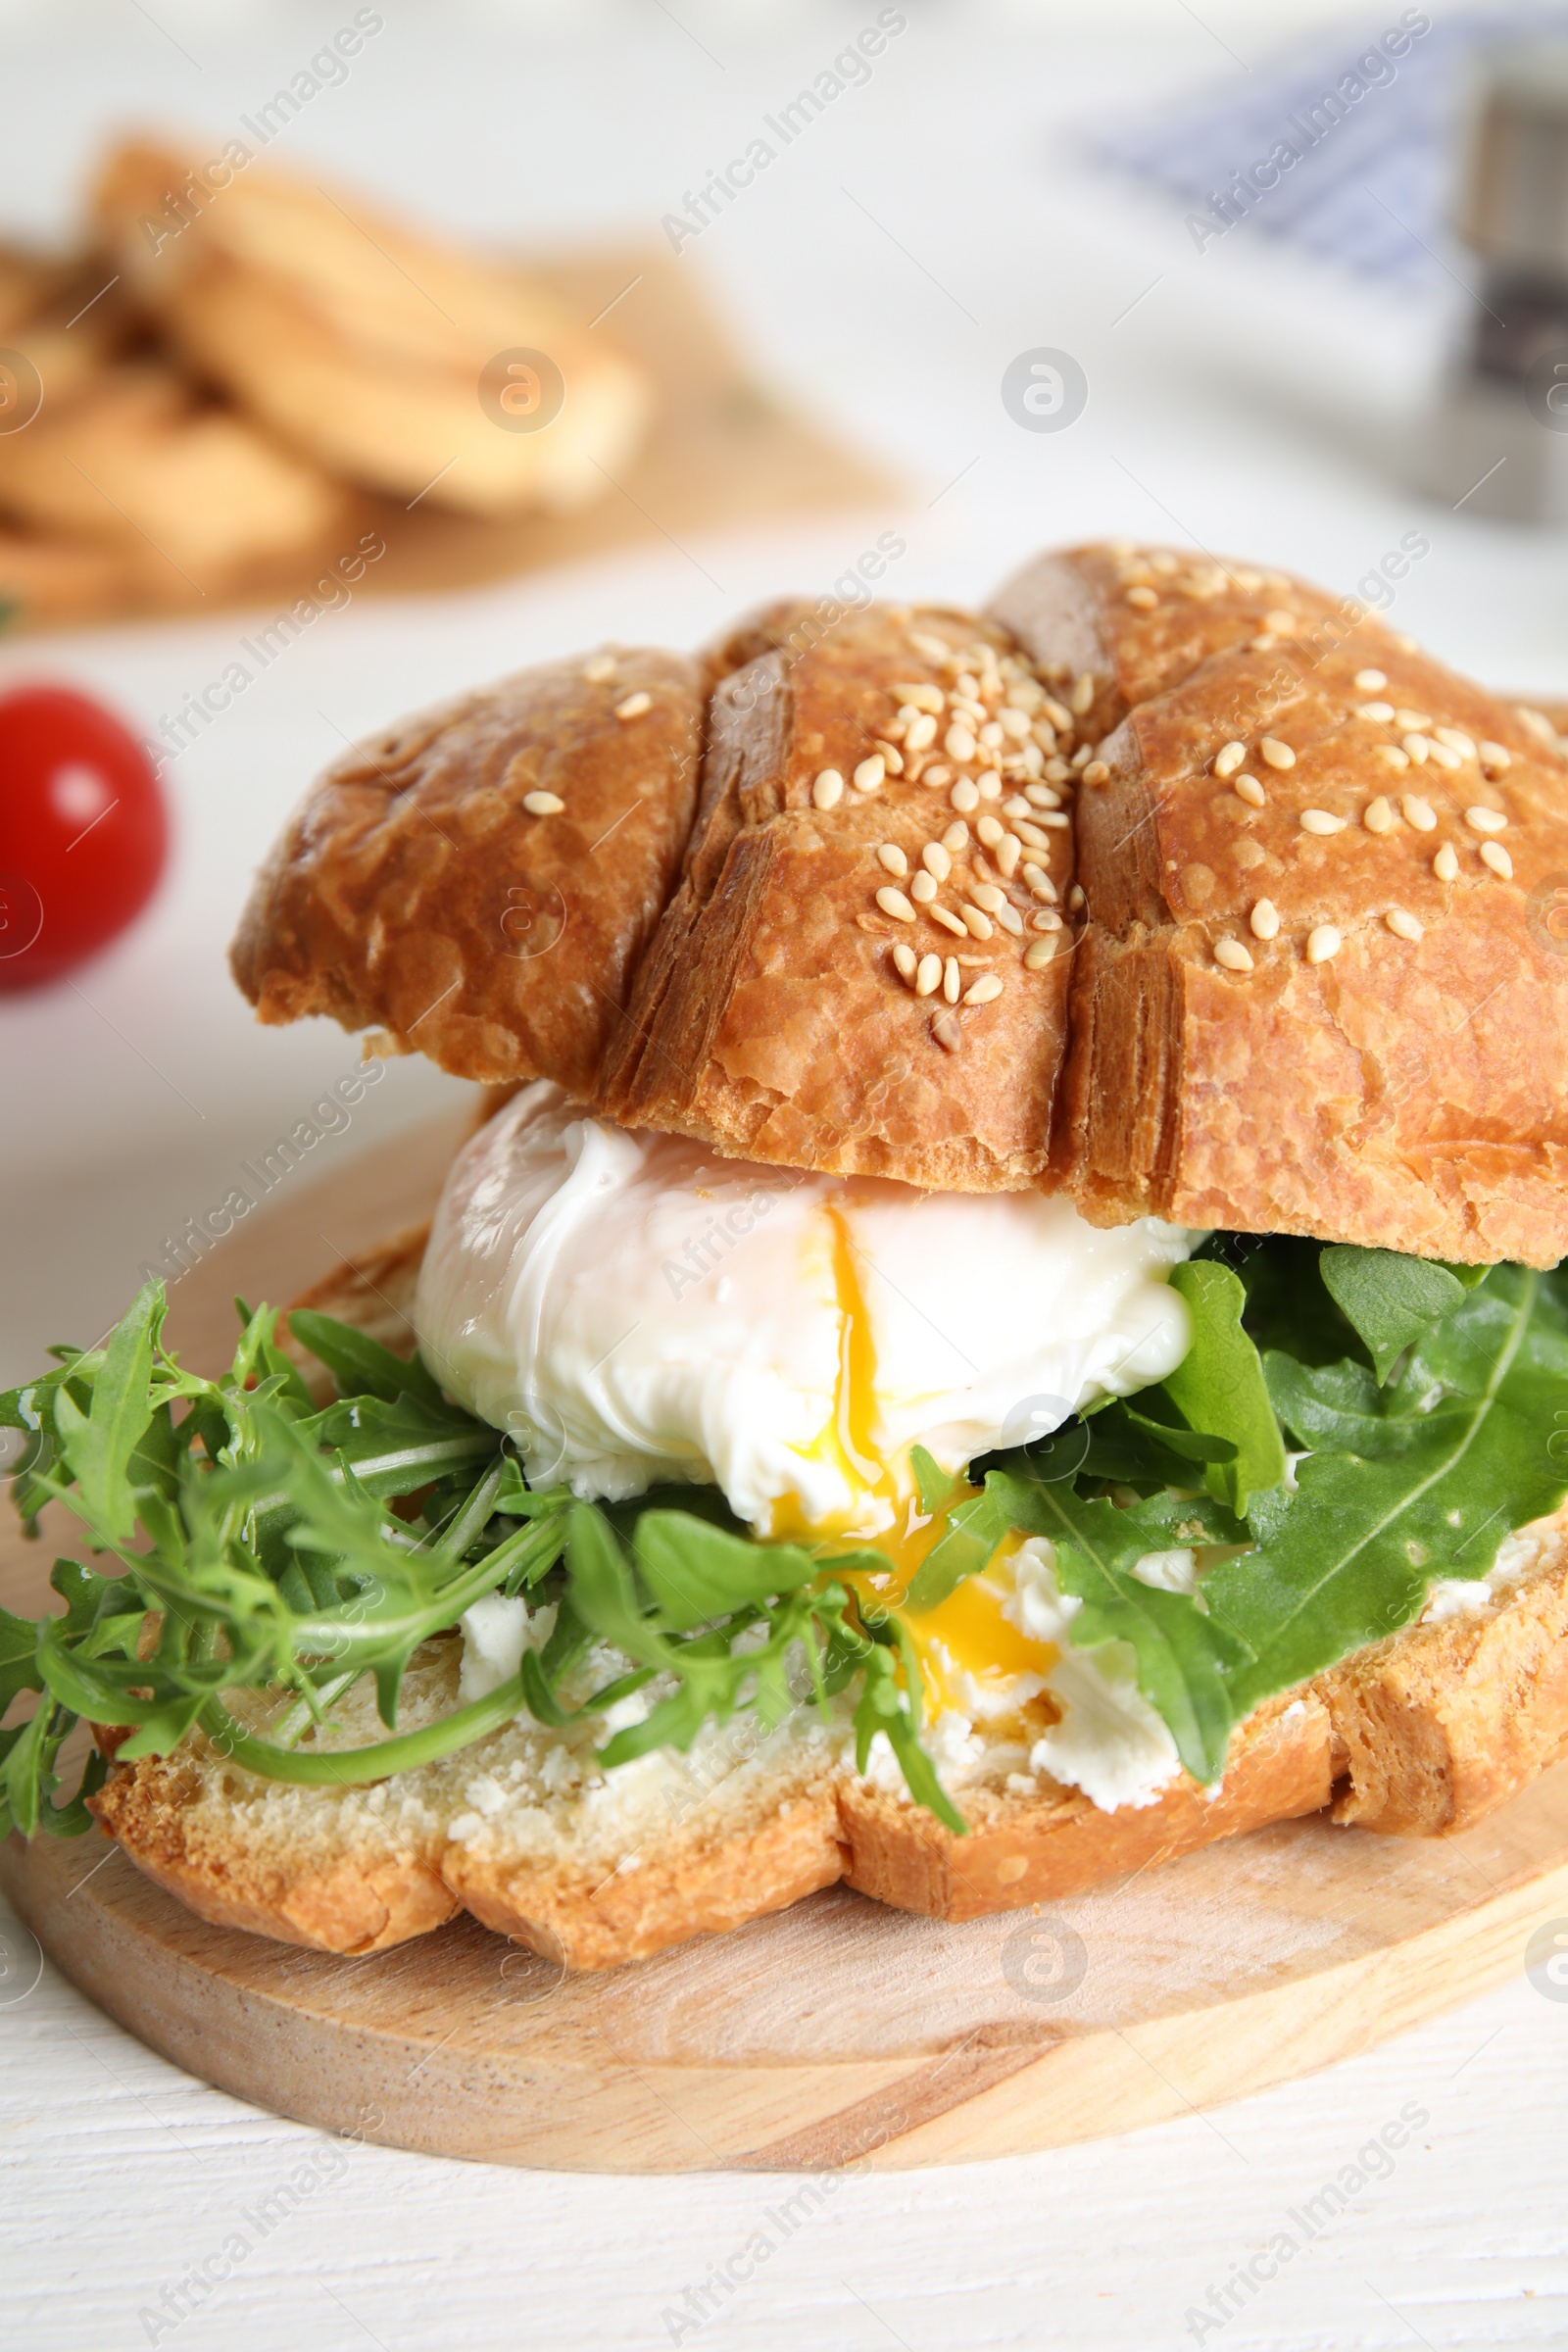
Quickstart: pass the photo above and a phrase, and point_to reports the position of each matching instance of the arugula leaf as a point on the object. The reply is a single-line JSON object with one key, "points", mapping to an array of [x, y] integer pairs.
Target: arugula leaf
{"points": [[1420, 1479], [974, 1530], [1219, 1389], [1390, 1300], [1185, 1659], [361, 1365], [100, 1444], [696, 1571]]}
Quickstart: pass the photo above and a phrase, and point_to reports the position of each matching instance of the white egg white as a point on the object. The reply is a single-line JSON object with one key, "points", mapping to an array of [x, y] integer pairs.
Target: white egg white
{"points": [[634, 1309]]}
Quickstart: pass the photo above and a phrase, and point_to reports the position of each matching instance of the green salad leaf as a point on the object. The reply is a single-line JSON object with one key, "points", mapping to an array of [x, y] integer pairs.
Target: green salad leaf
{"points": [[255, 1533]]}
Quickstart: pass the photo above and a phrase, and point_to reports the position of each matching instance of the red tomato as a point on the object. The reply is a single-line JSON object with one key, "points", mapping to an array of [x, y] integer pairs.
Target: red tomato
{"points": [[84, 832]]}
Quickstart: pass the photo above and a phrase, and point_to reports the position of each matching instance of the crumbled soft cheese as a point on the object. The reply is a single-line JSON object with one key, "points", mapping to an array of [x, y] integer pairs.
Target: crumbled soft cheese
{"points": [[1109, 1741], [1168, 1571], [495, 1631], [1450, 1596]]}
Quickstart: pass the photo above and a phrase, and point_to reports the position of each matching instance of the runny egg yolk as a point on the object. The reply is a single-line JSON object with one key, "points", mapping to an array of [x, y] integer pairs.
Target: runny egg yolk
{"points": [[964, 1635]]}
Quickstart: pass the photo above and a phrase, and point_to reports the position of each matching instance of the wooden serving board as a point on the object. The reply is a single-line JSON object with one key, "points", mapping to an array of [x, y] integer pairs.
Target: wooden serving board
{"points": [[837, 2032]]}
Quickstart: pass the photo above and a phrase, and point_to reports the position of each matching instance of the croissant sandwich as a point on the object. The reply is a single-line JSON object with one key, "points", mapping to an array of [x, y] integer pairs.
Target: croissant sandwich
{"points": [[1001, 1324]]}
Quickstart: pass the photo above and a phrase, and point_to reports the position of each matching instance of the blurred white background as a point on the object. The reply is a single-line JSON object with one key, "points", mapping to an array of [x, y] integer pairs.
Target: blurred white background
{"points": [[940, 220]]}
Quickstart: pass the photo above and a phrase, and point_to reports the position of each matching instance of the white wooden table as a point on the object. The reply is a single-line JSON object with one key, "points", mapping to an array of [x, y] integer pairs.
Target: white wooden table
{"points": [[887, 269]]}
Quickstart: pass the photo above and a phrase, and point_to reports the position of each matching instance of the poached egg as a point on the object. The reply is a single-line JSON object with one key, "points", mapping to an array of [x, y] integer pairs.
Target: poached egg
{"points": [[633, 1310]]}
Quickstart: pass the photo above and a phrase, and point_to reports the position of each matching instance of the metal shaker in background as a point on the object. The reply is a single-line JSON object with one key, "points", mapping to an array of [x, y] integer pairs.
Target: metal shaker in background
{"points": [[1499, 437]]}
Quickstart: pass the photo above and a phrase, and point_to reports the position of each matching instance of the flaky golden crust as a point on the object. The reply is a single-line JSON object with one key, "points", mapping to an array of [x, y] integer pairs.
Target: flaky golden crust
{"points": [[416, 890], [770, 1019], [1033, 1849], [1409, 1091]]}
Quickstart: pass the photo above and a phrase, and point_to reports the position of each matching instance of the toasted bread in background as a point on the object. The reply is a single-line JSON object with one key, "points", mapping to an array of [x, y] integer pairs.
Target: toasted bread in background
{"points": [[364, 343], [136, 459]]}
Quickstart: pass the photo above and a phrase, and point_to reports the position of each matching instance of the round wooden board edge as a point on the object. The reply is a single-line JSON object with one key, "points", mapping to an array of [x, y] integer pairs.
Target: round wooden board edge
{"points": [[159, 1973]]}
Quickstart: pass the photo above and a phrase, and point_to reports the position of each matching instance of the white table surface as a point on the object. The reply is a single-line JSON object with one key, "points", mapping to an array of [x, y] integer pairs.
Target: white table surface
{"points": [[885, 271]]}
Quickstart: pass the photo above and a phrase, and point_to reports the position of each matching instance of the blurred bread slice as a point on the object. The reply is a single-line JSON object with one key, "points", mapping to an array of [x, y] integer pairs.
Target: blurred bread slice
{"points": [[139, 460], [362, 342], [64, 315]]}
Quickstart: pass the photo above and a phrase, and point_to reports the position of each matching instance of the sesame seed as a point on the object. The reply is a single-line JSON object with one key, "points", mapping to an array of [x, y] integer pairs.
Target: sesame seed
{"points": [[1418, 813], [1281, 623], [1538, 723], [934, 858], [951, 981], [1052, 819], [870, 774], [1080, 757], [1456, 740], [984, 991], [938, 776], [928, 975], [543, 804], [893, 901], [964, 796], [1378, 815], [1486, 820], [1096, 772], [929, 699], [934, 649], [923, 889], [992, 735], [1162, 561], [958, 742], [1038, 883], [1075, 898], [1406, 645], [1010, 919], [1402, 925], [1082, 695], [1057, 771], [1261, 645], [1417, 746], [906, 959], [828, 790], [921, 732], [1368, 681], [1014, 724], [1040, 796], [977, 925], [1228, 759], [1444, 755], [967, 685], [989, 831], [633, 706], [1391, 753], [1493, 755], [601, 667], [1249, 790], [1321, 821], [1277, 754], [1232, 957], [1047, 919], [1494, 854], [893, 858], [989, 786], [1010, 849], [947, 1030], [1381, 712], [1323, 943], [1142, 598], [1445, 864], [949, 922], [1039, 953], [1264, 919], [957, 836], [1419, 720], [892, 760]]}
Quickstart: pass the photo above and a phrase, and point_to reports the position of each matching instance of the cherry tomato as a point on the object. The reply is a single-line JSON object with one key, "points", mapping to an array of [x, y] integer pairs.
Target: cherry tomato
{"points": [[84, 832]]}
